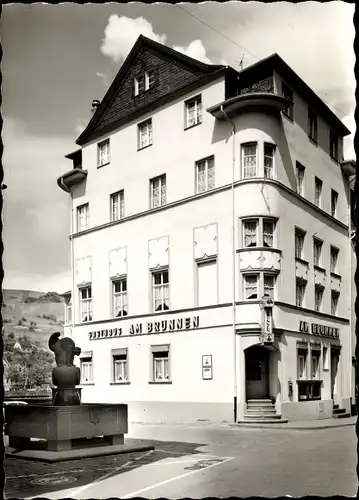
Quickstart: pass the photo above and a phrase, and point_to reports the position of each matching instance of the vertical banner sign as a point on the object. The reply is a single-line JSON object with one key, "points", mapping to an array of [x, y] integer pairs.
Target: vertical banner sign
{"points": [[267, 320], [207, 369]]}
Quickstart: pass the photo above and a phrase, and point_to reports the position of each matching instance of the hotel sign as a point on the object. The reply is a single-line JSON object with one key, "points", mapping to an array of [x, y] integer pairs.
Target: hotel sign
{"points": [[171, 325], [325, 331]]}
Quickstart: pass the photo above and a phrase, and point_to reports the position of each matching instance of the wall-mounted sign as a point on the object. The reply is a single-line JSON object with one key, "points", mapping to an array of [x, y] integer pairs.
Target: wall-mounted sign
{"points": [[324, 331], [172, 325], [207, 368]]}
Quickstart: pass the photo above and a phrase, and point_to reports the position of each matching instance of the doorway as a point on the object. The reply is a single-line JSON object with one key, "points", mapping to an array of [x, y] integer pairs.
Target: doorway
{"points": [[257, 373]]}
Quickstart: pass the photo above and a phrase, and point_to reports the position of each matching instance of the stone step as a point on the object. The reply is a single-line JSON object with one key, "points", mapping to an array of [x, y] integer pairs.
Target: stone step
{"points": [[263, 421], [259, 401], [260, 405], [335, 407], [261, 416], [338, 411], [342, 415], [261, 410]]}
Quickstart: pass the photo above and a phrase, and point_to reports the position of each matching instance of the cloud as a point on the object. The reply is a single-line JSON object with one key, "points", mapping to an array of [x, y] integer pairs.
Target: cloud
{"points": [[121, 34], [37, 282], [195, 49]]}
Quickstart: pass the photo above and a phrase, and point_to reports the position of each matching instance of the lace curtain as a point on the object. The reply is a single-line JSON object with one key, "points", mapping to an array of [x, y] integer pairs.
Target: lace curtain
{"points": [[251, 287], [268, 231], [269, 286], [250, 234], [250, 161]]}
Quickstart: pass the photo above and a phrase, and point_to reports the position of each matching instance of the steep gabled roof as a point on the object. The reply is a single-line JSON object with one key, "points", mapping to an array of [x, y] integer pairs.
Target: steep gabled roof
{"points": [[276, 63], [148, 44]]}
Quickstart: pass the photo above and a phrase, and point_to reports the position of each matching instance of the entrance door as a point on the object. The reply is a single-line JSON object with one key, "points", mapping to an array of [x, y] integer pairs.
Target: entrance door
{"points": [[334, 372], [257, 373]]}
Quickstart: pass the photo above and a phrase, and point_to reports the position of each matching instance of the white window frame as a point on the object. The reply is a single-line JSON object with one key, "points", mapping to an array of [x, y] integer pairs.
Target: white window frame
{"points": [[103, 153], [271, 287], [300, 173], [302, 356], [246, 284], [300, 288], [315, 365], [299, 238], [273, 223], [245, 226], [317, 252], [117, 205], [196, 102], [120, 364], [334, 196], [318, 189], [318, 298], [164, 290], [85, 304], [253, 171], [209, 181], [83, 217], [334, 302], [312, 125], [84, 363], [271, 168], [161, 199], [161, 359], [145, 137], [119, 299], [334, 257], [144, 82]]}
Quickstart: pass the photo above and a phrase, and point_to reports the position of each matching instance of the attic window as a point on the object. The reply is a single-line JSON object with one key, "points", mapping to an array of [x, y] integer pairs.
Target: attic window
{"points": [[144, 82]]}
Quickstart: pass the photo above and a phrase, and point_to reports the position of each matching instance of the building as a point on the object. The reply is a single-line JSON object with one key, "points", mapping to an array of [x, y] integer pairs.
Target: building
{"points": [[210, 242]]}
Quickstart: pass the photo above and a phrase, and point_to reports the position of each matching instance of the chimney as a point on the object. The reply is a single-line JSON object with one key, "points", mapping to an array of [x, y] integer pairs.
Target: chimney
{"points": [[95, 105]]}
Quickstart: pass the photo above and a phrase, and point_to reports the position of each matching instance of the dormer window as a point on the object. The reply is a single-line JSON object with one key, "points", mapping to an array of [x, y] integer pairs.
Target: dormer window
{"points": [[144, 81]]}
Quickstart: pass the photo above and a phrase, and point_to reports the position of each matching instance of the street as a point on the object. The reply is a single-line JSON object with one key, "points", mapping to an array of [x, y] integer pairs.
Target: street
{"points": [[202, 461]]}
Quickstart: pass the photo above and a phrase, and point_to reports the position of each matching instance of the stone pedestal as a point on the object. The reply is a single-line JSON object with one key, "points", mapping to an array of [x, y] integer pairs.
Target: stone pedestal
{"points": [[66, 397]]}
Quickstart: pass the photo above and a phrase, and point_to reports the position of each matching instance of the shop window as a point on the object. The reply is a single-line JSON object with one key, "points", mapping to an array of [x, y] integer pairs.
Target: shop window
{"points": [[309, 390], [315, 368], [160, 363], [325, 358], [302, 364], [120, 365]]}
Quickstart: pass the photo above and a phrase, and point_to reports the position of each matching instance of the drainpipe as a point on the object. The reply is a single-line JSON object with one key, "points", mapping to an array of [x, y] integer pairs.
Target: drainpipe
{"points": [[72, 264], [234, 264]]}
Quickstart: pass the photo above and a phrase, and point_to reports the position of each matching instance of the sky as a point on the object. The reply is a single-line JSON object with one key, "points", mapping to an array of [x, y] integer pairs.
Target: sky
{"points": [[58, 58]]}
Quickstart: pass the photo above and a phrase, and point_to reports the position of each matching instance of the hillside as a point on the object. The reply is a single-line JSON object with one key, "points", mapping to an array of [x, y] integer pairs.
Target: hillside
{"points": [[34, 314]]}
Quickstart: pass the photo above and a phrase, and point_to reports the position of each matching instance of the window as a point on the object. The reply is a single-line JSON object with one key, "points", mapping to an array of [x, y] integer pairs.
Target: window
{"points": [[249, 160], [119, 290], [333, 146], [269, 160], [288, 94], [205, 174], [85, 304], [334, 254], [269, 284], [268, 233], [302, 364], [83, 217], [325, 358], [144, 82], [160, 286], [318, 191], [193, 112], [68, 310], [160, 359], [300, 171], [207, 283], [158, 191], [86, 368], [251, 282], [315, 364], [313, 125], [318, 297], [103, 149], [300, 287], [299, 243], [334, 203], [334, 302], [120, 365], [317, 251], [250, 233], [117, 205], [145, 134]]}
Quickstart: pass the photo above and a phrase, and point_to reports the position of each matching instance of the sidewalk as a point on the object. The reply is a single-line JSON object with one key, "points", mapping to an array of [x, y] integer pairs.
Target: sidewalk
{"points": [[325, 423]]}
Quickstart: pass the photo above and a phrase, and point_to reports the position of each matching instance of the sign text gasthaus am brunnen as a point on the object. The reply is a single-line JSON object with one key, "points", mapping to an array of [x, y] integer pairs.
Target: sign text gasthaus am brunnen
{"points": [[325, 331], [171, 325]]}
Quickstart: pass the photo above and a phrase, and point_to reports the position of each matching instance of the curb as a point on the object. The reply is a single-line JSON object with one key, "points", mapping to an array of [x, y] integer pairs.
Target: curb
{"points": [[294, 428]]}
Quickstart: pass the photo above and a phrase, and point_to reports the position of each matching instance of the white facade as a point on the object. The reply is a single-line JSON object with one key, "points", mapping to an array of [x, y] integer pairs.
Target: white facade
{"points": [[193, 357]]}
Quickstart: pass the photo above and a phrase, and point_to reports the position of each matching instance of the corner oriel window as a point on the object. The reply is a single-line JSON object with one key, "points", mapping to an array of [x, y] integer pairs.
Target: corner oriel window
{"points": [[85, 304], [119, 290], [158, 191], [193, 112], [251, 283], [160, 291], [269, 285], [103, 153], [249, 160], [269, 150], [205, 175]]}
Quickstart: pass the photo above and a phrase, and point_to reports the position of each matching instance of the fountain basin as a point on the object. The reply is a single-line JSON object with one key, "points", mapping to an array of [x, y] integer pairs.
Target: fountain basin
{"points": [[60, 426]]}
